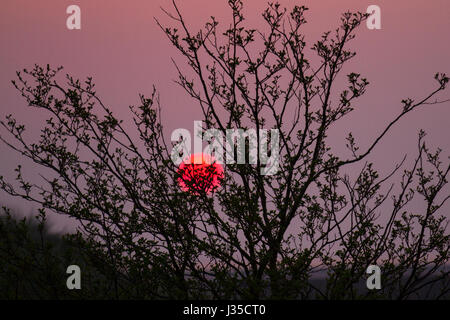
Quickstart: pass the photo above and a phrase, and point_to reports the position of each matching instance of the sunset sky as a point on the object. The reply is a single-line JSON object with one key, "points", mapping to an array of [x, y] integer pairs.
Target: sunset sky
{"points": [[121, 46]]}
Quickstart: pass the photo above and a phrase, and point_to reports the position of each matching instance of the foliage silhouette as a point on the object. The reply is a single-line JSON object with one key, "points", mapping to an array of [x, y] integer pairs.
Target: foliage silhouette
{"points": [[258, 236]]}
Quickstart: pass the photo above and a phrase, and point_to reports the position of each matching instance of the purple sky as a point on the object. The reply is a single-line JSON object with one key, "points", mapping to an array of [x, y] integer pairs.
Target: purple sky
{"points": [[121, 46]]}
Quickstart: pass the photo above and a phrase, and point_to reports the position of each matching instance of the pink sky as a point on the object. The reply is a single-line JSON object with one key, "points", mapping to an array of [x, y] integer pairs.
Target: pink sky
{"points": [[121, 46]]}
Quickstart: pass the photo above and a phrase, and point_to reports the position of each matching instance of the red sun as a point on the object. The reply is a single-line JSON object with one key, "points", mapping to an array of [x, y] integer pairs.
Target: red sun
{"points": [[200, 173]]}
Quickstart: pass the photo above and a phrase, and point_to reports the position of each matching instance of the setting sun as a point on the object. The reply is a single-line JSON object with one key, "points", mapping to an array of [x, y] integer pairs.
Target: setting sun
{"points": [[200, 173]]}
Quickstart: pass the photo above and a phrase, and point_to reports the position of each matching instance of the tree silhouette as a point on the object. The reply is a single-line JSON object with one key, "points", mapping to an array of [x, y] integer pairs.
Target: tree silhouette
{"points": [[257, 236]]}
